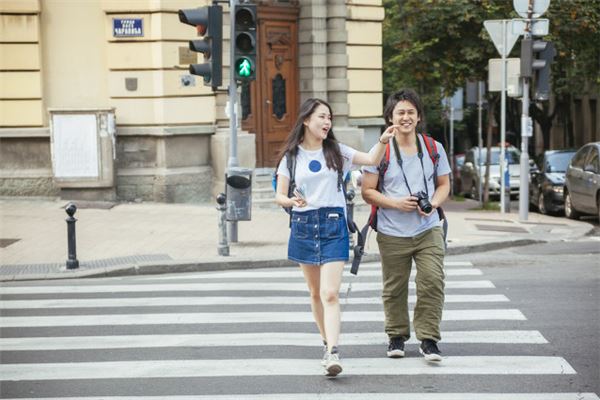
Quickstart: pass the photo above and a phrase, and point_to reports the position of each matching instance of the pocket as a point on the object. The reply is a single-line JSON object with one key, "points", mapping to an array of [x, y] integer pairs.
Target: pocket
{"points": [[300, 226], [334, 226]]}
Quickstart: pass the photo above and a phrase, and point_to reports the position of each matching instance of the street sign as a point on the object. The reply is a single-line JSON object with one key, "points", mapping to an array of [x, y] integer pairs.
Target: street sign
{"points": [[539, 7], [513, 68], [497, 29], [539, 27]]}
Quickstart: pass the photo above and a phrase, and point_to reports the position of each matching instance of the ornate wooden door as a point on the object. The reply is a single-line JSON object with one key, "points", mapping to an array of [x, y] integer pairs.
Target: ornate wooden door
{"points": [[269, 104]]}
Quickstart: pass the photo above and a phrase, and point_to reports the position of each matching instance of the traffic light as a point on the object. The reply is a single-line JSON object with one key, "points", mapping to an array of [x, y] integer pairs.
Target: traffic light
{"points": [[542, 78], [208, 21], [536, 57], [244, 64]]}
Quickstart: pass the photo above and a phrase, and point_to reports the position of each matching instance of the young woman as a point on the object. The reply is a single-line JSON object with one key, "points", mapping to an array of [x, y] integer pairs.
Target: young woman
{"points": [[319, 235]]}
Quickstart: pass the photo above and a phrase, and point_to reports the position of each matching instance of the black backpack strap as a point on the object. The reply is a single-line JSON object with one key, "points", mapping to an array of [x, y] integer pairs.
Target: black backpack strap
{"points": [[291, 165], [359, 249]]}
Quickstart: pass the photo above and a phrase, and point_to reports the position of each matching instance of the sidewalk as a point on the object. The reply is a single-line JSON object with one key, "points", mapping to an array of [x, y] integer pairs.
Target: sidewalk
{"points": [[150, 238]]}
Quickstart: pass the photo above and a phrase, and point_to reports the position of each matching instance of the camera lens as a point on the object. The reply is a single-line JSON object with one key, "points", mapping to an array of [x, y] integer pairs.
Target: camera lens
{"points": [[425, 206]]}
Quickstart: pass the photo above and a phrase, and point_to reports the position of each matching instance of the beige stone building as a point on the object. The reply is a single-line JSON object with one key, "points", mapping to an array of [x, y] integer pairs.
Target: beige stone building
{"points": [[88, 113]]}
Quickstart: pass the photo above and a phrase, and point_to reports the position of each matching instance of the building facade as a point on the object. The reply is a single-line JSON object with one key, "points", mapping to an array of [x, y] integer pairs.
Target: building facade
{"points": [[95, 108]]}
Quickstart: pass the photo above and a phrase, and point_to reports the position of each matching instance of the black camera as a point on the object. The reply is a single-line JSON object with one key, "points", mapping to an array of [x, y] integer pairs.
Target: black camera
{"points": [[423, 202]]}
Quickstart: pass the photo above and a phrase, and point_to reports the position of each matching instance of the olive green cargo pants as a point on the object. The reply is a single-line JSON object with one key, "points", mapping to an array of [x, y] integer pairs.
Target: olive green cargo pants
{"points": [[397, 253]]}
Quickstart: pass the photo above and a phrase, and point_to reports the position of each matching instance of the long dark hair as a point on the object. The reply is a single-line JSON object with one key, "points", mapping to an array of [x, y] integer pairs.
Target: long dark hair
{"points": [[405, 95], [331, 149]]}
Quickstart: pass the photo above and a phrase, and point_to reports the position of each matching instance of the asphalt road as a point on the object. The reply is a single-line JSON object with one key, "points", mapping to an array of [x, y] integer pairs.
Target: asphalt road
{"points": [[522, 323]]}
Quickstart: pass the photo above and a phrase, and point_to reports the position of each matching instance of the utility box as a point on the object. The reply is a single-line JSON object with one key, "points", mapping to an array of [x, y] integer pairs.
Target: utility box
{"points": [[238, 191], [83, 147]]}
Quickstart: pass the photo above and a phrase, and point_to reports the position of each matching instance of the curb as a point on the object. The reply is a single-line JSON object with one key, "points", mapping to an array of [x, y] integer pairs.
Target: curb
{"points": [[168, 267]]}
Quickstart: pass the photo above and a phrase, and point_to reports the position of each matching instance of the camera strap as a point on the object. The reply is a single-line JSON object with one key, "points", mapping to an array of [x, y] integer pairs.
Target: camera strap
{"points": [[399, 159]]}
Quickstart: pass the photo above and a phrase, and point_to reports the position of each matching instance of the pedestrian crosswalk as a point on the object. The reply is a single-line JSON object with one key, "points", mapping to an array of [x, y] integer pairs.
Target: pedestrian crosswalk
{"points": [[250, 335]]}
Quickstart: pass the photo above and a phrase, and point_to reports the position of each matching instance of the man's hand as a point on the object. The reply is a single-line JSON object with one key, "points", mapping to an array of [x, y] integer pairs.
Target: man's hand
{"points": [[434, 206], [406, 204]]}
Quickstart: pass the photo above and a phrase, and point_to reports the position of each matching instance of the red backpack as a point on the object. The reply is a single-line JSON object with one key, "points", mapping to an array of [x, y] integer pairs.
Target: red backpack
{"points": [[359, 248]]}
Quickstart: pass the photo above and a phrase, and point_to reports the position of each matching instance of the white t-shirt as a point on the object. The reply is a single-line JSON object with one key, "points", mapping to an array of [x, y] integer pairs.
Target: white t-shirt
{"points": [[320, 184], [393, 222]]}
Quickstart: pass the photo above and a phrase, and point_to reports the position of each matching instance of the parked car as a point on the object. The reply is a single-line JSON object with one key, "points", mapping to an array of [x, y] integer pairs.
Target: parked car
{"points": [[582, 182], [459, 160], [547, 179], [469, 173]]}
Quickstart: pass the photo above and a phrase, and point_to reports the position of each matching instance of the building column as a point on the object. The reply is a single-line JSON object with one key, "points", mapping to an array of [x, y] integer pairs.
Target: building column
{"points": [[312, 50]]}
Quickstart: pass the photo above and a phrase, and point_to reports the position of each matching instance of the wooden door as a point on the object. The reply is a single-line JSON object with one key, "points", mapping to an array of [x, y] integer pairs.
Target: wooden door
{"points": [[270, 104]]}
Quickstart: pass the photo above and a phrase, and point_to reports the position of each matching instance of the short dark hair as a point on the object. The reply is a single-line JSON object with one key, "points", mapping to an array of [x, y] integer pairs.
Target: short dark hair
{"points": [[404, 95]]}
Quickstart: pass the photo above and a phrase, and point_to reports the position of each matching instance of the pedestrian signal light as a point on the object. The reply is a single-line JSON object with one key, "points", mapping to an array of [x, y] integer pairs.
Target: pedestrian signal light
{"points": [[245, 42], [536, 59], [208, 21]]}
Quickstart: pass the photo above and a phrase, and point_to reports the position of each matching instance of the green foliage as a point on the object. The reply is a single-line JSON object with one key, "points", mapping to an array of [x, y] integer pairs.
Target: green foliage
{"points": [[435, 44]]}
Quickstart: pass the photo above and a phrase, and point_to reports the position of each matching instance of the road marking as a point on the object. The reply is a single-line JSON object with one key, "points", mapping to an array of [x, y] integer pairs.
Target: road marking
{"points": [[208, 301], [471, 365], [351, 396], [250, 339], [293, 273], [210, 287], [238, 317]]}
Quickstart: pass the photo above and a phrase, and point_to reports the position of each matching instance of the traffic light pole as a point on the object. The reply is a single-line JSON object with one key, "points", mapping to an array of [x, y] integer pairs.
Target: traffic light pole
{"points": [[503, 165], [524, 175], [480, 138], [233, 159]]}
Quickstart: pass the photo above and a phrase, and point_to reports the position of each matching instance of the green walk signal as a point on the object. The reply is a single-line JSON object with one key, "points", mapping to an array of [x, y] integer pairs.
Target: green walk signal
{"points": [[245, 42], [244, 67]]}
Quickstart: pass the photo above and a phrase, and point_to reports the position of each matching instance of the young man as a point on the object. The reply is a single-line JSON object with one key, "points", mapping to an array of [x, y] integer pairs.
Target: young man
{"points": [[405, 231]]}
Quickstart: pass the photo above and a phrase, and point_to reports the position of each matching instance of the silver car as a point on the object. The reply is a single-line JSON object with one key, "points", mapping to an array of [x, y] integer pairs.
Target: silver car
{"points": [[469, 172], [582, 182]]}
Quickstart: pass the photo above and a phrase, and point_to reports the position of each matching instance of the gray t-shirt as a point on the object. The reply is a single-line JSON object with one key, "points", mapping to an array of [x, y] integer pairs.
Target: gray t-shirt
{"points": [[394, 222]]}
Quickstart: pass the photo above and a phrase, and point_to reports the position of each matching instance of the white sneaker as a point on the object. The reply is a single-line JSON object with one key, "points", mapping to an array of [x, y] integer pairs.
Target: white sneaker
{"points": [[325, 354], [332, 364]]}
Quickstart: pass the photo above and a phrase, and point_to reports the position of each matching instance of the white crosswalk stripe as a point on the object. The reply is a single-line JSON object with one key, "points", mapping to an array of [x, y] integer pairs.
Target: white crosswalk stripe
{"points": [[237, 318], [217, 287], [208, 301], [136, 315], [460, 365], [257, 339], [355, 396], [293, 273]]}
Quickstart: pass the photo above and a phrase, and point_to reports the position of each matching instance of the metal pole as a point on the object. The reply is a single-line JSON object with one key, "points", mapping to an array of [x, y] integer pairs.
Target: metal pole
{"points": [[524, 178], [503, 120], [223, 248], [480, 137], [233, 160], [452, 149], [72, 262]]}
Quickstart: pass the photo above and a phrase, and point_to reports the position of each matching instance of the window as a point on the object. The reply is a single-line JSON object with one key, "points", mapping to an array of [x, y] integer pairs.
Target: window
{"points": [[592, 160], [577, 161], [558, 162]]}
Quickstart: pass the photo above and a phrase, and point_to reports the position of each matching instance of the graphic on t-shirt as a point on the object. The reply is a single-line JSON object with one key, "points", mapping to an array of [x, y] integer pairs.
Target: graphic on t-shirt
{"points": [[314, 166]]}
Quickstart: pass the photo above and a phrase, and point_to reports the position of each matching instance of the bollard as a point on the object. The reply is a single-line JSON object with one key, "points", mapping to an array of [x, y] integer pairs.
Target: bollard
{"points": [[350, 194], [72, 262], [223, 248]]}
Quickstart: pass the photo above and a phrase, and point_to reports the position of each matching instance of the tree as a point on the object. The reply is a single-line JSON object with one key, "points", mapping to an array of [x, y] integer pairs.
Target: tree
{"points": [[433, 44]]}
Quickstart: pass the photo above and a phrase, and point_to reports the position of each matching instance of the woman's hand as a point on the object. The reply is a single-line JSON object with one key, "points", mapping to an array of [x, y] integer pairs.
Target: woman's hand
{"points": [[388, 134], [297, 202]]}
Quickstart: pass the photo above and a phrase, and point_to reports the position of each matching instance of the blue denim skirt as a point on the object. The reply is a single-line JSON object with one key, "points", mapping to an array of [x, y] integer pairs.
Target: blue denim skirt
{"points": [[319, 236]]}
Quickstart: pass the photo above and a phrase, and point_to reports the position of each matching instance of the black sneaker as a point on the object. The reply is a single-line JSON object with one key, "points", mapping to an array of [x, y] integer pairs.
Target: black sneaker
{"points": [[396, 348], [430, 350]]}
